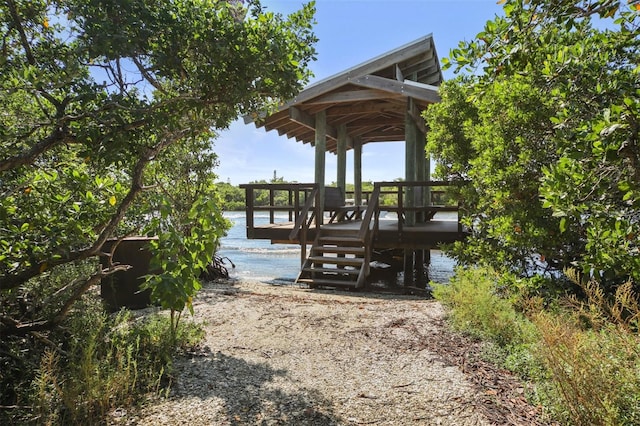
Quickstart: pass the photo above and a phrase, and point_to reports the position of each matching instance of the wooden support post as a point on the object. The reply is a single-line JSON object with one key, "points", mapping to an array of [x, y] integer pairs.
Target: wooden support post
{"points": [[410, 162], [427, 171], [427, 261], [420, 270], [408, 268], [321, 148], [303, 248], [342, 158], [357, 171], [420, 173], [272, 214], [249, 197]]}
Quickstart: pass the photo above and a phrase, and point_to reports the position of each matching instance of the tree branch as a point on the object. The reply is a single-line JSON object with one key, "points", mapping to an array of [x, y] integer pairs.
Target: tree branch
{"points": [[15, 328], [13, 281], [23, 36], [58, 137]]}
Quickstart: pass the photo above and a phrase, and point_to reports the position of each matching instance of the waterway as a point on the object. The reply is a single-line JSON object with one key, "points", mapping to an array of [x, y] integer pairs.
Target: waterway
{"points": [[259, 260]]}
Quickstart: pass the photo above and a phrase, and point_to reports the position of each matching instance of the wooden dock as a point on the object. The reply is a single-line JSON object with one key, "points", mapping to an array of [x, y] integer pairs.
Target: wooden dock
{"points": [[379, 100], [348, 239]]}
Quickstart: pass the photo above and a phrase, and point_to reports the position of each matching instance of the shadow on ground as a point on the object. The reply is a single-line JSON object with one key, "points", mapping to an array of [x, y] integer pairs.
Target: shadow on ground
{"points": [[213, 291], [247, 392]]}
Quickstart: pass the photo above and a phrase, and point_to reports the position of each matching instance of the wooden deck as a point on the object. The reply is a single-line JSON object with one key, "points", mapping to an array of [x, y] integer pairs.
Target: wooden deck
{"points": [[347, 239], [428, 235]]}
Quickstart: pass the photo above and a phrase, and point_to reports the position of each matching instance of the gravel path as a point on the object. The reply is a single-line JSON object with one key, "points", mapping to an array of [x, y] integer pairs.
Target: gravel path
{"points": [[281, 355]]}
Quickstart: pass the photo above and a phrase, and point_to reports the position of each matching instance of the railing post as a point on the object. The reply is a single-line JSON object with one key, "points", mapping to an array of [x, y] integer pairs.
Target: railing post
{"points": [[249, 210], [319, 208], [272, 213], [400, 210]]}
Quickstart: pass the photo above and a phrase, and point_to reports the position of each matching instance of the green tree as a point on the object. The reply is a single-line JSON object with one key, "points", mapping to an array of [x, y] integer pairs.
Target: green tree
{"points": [[107, 109], [233, 198], [545, 125]]}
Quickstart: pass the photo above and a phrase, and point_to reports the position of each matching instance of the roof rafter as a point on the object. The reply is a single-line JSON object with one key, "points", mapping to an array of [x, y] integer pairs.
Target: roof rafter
{"points": [[351, 96], [309, 121], [409, 88]]}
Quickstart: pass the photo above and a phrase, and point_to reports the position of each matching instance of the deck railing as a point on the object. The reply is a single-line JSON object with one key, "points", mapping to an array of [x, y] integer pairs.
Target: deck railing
{"points": [[290, 198], [370, 213], [414, 202]]}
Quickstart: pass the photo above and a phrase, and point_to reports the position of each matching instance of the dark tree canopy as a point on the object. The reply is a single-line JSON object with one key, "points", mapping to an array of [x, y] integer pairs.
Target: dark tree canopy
{"points": [[545, 125], [107, 112]]}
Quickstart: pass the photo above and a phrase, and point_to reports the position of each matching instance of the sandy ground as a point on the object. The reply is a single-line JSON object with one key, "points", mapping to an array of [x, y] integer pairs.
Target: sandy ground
{"points": [[283, 355]]}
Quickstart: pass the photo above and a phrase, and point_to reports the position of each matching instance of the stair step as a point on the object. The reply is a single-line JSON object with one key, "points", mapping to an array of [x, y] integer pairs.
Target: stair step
{"points": [[339, 250], [327, 283], [346, 261], [340, 240], [340, 231], [336, 271]]}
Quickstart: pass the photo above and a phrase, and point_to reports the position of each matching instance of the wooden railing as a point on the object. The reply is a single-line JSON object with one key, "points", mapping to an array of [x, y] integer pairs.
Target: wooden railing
{"points": [[414, 202], [436, 195], [372, 209], [304, 220], [290, 198]]}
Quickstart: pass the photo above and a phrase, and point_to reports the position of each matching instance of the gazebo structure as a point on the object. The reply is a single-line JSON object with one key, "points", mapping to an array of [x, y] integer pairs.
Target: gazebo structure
{"points": [[380, 100]]}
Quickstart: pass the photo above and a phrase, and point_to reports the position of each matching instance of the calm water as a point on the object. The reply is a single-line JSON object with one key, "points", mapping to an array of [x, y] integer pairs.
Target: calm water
{"points": [[259, 260]]}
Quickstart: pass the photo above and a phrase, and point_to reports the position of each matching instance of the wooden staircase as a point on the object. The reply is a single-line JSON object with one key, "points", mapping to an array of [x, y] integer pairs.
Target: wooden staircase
{"points": [[339, 258]]}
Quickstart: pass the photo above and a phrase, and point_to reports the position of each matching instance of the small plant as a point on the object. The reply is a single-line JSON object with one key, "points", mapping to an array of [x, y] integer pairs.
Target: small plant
{"points": [[181, 254], [107, 362], [481, 307], [592, 351]]}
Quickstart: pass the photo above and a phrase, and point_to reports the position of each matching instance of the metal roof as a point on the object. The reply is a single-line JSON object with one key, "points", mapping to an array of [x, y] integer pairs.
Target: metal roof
{"points": [[370, 99]]}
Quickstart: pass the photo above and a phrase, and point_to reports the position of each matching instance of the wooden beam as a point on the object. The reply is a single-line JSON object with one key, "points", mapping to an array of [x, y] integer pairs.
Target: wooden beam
{"points": [[416, 60], [342, 157], [410, 162], [366, 108], [273, 121], [321, 145], [398, 73], [357, 171], [352, 96], [406, 88], [416, 115], [308, 121], [401, 54], [420, 66], [432, 79], [391, 137], [362, 130], [377, 122], [345, 119], [287, 128]]}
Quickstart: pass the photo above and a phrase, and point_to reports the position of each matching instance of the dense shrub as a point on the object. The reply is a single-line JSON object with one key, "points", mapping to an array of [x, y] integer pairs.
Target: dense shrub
{"points": [[595, 377], [478, 307], [580, 354]]}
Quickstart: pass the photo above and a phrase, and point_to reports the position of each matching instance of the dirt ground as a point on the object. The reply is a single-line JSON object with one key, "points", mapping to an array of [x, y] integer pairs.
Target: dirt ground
{"points": [[283, 355]]}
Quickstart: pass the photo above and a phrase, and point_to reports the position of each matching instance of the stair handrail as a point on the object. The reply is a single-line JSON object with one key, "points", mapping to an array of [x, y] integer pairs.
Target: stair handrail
{"points": [[372, 206], [301, 221]]}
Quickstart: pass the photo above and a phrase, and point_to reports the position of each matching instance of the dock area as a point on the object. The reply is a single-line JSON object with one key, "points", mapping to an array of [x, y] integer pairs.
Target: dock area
{"points": [[345, 240]]}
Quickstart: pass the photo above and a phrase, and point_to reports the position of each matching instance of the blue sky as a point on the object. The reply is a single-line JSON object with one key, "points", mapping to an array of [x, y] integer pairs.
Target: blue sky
{"points": [[349, 32]]}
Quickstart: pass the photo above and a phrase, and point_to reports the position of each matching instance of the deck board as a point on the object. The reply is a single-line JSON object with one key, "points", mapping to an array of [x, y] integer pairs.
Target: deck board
{"points": [[423, 235]]}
